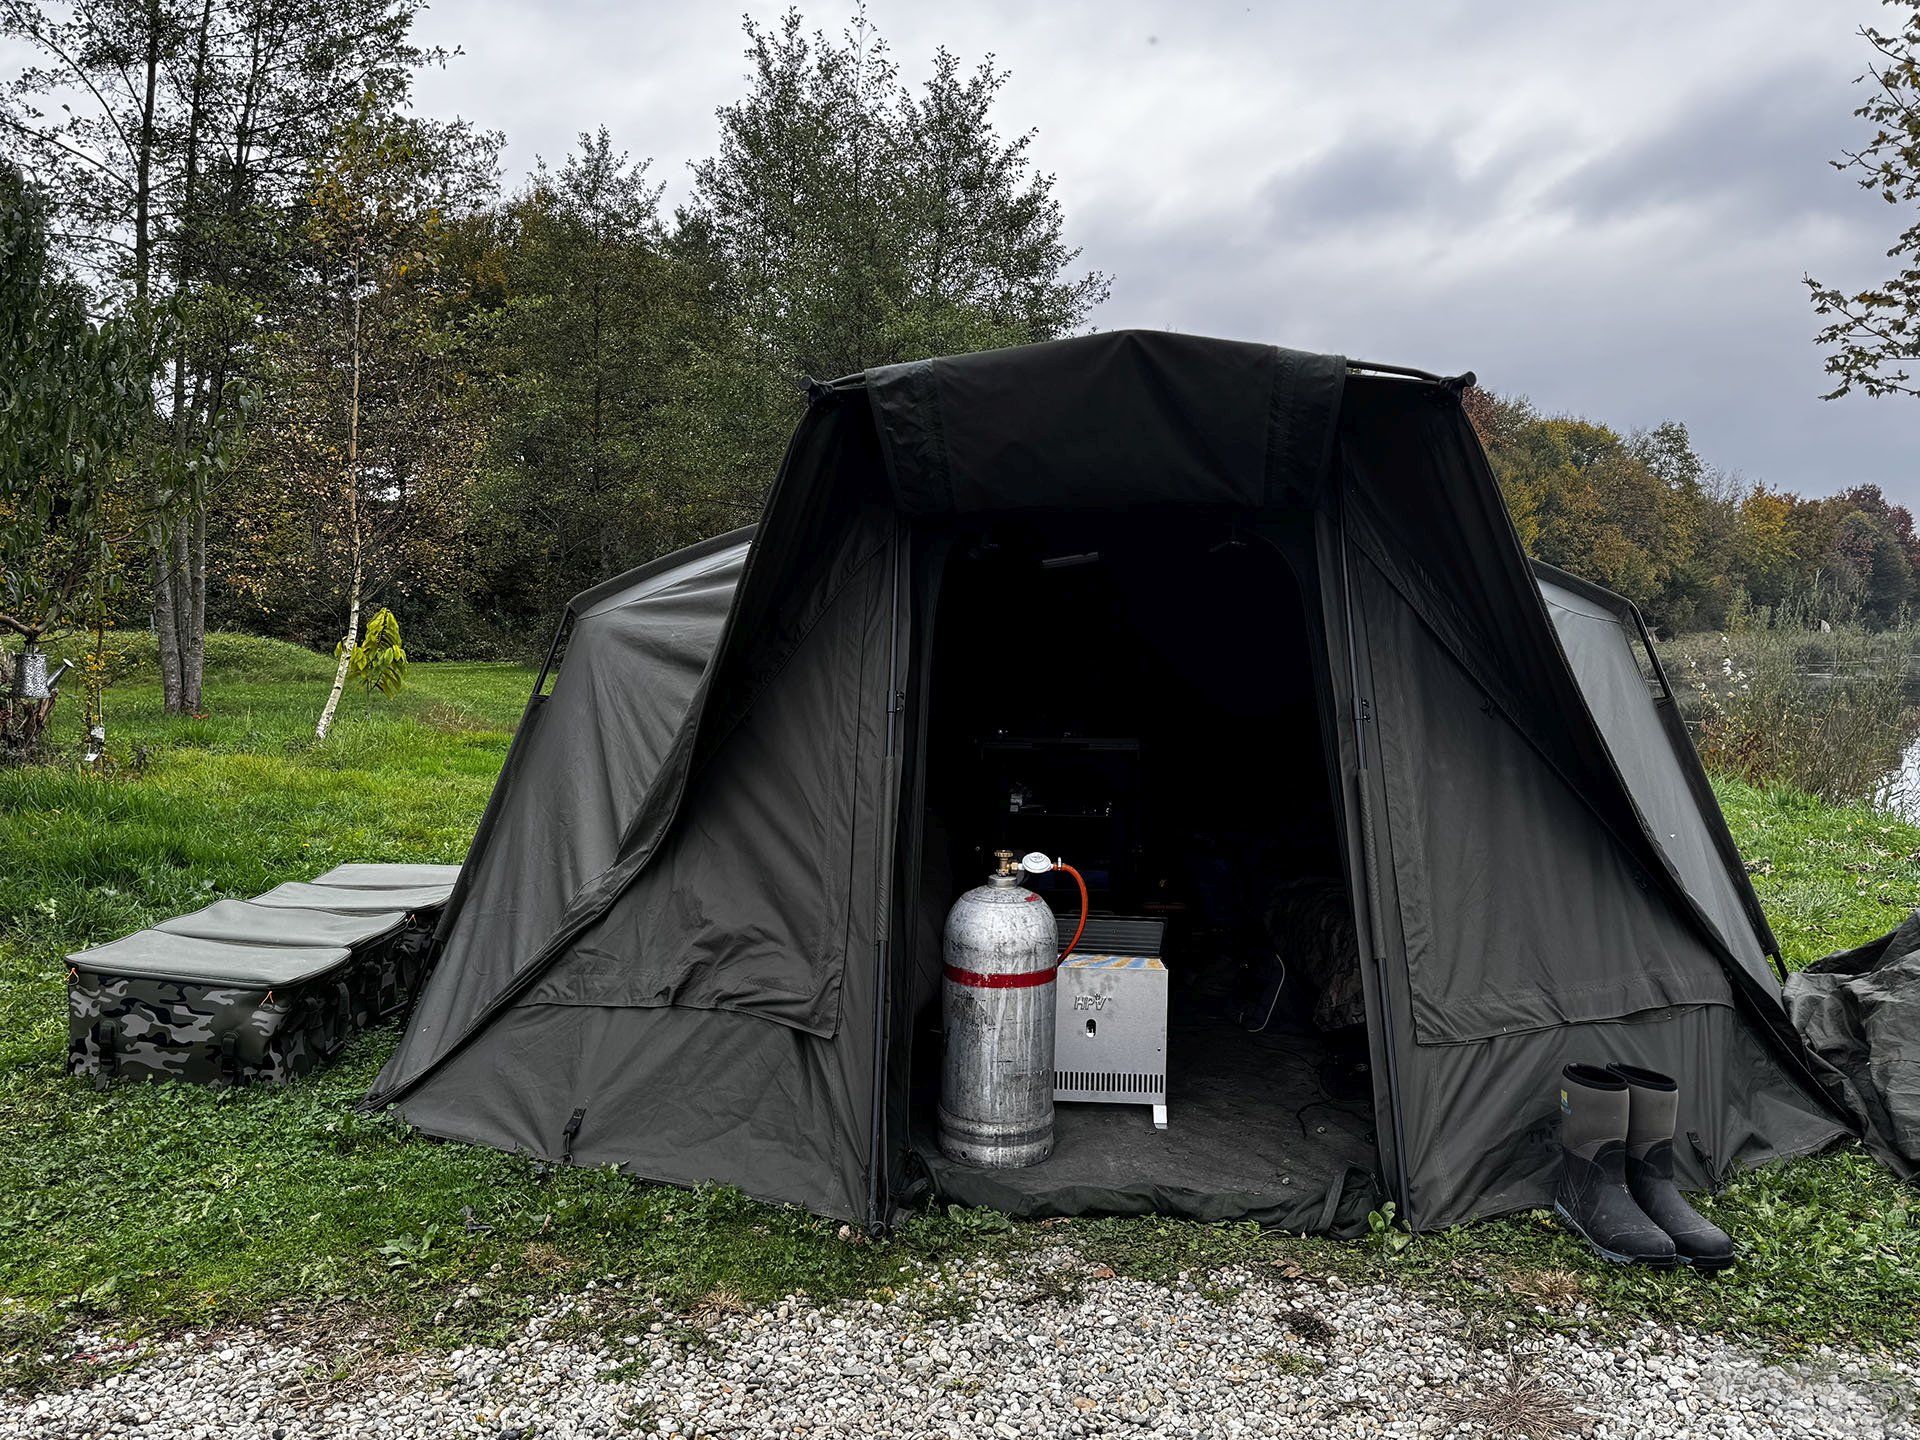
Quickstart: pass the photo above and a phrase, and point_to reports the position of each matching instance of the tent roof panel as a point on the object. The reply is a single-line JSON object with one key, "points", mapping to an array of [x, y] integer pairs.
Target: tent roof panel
{"points": [[1124, 417], [656, 574], [723, 561], [1656, 761]]}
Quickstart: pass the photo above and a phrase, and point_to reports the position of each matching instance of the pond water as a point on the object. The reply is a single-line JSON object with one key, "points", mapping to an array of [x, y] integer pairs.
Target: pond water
{"points": [[1903, 792], [1813, 678], [1900, 786]]}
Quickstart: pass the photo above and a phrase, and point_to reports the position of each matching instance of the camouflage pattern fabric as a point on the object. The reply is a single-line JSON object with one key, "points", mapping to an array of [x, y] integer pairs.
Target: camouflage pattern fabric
{"points": [[146, 1027]]}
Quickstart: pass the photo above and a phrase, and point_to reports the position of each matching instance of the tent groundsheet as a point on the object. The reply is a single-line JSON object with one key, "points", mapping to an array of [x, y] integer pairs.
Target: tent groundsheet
{"points": [[1859, 1010], [1254, 1135]]}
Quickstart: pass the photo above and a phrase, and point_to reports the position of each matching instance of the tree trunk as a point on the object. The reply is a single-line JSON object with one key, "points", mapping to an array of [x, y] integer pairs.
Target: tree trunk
{"points": [[193, 645], [166, 632], [94, 691], [353, 528], [346, 654], [143, 162], [595, 470], [182, 540], [190, 580], [165, 615]]}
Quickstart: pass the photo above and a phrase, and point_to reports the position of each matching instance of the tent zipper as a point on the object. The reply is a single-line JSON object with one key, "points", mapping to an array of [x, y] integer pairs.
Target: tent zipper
{"points": [[1370, 865]]}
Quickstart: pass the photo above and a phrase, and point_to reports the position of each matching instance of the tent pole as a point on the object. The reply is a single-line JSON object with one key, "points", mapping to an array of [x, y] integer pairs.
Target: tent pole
{"points": [[878, 1161], [1455, 383], [560, 633]]}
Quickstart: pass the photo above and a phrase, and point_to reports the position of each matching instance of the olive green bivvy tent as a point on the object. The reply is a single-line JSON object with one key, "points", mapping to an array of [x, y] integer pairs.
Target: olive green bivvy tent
{"points": [[1272, 603]]}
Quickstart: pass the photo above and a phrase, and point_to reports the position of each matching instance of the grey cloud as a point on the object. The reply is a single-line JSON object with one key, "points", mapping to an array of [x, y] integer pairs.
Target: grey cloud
{"points": [[1759, 151], [1376, 181], [1537, 192]]}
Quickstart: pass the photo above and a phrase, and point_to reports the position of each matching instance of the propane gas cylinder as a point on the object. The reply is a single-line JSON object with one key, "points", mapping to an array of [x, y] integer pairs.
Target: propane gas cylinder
{"points": [[996, 1093]]}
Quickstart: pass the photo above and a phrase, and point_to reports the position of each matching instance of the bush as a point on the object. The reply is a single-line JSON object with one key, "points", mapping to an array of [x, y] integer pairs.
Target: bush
{"points": [[1786, 702], [451, 629]]}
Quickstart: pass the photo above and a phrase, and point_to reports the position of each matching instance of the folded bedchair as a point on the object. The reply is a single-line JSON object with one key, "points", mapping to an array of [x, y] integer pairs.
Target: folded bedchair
{"points": [[256, 991]]}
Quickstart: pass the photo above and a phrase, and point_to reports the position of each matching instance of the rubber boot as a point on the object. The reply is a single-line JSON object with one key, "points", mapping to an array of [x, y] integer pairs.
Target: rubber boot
{"points": [[1592, 1197], [1654, 1102]]}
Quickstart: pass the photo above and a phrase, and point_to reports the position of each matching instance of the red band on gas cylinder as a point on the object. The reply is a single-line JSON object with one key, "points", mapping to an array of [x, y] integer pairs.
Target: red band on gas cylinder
{"points": [[1017, 980]]}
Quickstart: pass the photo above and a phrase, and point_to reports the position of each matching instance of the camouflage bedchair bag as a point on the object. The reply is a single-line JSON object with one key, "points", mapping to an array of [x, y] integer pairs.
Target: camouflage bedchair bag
{"points": [[255, 991]]}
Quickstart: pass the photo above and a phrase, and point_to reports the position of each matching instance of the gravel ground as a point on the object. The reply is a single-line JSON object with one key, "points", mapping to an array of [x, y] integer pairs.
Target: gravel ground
{"points": [[1062, 1349]]}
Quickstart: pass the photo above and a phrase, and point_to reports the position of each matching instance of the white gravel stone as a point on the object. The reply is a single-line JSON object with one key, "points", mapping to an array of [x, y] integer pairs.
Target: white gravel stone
{"points": [[1086, 1354]]}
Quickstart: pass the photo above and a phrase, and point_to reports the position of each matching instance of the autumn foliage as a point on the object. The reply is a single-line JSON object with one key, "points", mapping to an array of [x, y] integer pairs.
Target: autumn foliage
{"points": [[1643, 514]]}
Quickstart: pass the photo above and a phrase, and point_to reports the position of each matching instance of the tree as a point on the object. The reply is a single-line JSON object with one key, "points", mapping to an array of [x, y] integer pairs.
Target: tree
{"points": [[860, 223], [587, 351], [367, 453], [1694, 547], [177, 137], [1620, 510], [1866, 568], [75, 396], [618, 430], [1763, 555], [1873, 335]]}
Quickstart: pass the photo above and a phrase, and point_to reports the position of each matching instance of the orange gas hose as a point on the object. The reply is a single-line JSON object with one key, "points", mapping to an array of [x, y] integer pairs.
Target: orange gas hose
{"points": [[1062, 865]]}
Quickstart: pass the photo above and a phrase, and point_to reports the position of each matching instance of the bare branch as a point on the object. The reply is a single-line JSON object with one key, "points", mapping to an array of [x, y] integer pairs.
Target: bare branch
{"points": [[25, 20]]}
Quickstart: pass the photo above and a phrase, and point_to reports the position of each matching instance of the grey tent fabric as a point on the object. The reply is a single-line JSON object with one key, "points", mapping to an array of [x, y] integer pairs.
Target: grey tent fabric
{"points": [[637, 650], [242, 922], [1528, 943], [687, 940], [390, 876], [1453, 655], [1519, 912], [778, 947], [353, 900], [1637, 714], [1106, 420], [722, 971], [1860, 1012], [1483, 1119]]}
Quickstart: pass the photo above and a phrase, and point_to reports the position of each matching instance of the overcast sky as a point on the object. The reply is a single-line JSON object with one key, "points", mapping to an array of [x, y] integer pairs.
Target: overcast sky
{"points": [[1605, 207]]}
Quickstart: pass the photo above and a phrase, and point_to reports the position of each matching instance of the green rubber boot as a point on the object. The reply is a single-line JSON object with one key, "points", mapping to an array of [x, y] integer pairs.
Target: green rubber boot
{"points": [[1592, 1197], [1654, 1102]]}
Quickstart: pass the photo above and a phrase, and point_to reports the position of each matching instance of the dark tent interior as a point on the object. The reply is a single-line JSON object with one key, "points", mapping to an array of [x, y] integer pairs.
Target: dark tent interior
{"points": [[1140, 693]]}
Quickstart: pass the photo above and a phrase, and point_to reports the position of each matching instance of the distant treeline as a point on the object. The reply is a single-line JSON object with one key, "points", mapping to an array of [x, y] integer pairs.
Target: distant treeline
{"points": [[379, 379], [1696, 548]]}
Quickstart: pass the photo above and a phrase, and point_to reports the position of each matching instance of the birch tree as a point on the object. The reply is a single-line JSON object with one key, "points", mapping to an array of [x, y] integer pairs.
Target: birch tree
{"points": [[365, 401]]}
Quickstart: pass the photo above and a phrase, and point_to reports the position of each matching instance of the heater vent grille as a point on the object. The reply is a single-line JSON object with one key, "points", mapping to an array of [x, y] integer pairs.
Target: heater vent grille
{"points": [[1109, 1082]]}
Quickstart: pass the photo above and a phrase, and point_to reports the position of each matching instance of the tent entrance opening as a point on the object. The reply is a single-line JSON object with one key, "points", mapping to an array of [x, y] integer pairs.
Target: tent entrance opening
{"points": [[1143, 697]]}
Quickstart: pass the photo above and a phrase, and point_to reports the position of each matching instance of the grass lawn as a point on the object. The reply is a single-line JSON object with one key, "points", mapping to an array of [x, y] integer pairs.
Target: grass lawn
{"points": [[144, 1207]]}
